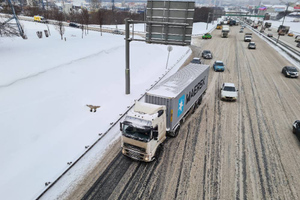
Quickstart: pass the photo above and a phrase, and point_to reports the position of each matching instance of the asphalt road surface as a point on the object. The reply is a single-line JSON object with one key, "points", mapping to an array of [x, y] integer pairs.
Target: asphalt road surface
{"points": [[225, 150]]}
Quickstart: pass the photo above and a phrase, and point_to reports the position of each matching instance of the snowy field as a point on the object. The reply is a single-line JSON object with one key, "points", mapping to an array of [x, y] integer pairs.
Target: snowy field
{"points": [[45, 85]]}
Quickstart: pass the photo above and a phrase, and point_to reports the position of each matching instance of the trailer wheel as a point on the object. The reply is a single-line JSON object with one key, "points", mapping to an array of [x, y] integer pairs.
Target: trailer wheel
{"points": [[199, 100], [176, 132], [194, 108]]}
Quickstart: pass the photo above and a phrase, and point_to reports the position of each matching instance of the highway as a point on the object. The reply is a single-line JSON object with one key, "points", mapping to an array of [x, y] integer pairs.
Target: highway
{"points": [[225, 150]]}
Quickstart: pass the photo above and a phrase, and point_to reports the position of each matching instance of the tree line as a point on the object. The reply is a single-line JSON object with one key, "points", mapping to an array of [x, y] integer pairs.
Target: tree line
{"points": [[100, 16]]}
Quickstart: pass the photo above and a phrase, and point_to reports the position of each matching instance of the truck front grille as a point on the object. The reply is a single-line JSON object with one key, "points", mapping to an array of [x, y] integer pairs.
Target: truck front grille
{"points": [[134, 148]]}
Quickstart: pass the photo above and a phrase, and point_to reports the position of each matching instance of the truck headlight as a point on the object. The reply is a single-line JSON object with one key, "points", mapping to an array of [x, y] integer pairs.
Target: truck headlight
{"points": [[147, 158], [287, 73], [123, 151]]}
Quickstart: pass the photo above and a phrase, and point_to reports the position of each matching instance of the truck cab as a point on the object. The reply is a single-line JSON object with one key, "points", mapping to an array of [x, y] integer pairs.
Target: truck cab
{"points": [[143, 131]]}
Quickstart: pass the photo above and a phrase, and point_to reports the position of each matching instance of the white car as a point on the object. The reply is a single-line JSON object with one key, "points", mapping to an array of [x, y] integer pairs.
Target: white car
{"points": [[229, 92]]}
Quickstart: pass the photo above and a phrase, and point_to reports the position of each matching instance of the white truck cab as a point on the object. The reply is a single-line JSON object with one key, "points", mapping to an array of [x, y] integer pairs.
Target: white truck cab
{"points": [[143, 130]]}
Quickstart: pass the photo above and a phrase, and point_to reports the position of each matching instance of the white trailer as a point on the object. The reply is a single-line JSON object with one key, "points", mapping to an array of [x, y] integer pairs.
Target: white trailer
{"points": [[166, 105]]}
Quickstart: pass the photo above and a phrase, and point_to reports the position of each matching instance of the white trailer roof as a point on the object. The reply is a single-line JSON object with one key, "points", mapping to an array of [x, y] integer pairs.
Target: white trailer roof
{"points": [[175, 84], [146, 108]]}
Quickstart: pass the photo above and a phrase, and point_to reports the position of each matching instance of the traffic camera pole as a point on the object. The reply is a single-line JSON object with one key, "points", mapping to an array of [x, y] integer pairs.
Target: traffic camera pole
{"points": [[127, 70]]}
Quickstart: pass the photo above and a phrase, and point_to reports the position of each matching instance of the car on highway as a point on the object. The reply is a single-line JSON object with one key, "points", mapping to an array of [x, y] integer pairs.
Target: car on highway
{"points": [[298, 45], [251, 45], [291, 34], [74, 25], [219, 66], [242, 30], [207, 54], [296, 128], [229, 92], [248, 38], [270, 35], [207, 36], [196, 60], [118, 32], [290, 71]]}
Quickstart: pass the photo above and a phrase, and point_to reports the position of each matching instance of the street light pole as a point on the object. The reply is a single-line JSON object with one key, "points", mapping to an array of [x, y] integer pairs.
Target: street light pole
{"points": [[287, 6], [207, 20], [127, 70]]}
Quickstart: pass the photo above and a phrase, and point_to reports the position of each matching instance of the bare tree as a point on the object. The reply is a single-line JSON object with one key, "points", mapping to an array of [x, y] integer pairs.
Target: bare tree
{"points": [[8, 30], [100, 19], [85, 18], [59, 17], [81, 21], [95, 4]]}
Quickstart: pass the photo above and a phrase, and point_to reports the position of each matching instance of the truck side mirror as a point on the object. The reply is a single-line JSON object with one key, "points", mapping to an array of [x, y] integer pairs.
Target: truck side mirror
{"points": [[121, 129], [155, 134], [160, 112]]}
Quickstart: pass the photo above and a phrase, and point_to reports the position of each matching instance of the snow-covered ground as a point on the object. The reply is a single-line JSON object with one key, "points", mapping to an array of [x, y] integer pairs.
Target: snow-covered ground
{"points": [[45, 85]]}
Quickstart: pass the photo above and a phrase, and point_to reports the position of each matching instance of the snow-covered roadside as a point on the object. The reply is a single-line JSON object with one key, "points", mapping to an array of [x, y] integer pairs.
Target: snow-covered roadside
{"points": [[45, 86]]}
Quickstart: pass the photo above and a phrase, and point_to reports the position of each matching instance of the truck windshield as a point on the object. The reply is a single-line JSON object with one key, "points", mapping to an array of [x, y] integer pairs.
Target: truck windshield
{"points": [[142, 134]]}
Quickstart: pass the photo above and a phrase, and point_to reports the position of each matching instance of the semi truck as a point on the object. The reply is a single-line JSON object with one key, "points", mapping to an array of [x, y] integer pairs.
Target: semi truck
{"points": [[282, 30], [166, 106], [225, 31], [268, 24]]}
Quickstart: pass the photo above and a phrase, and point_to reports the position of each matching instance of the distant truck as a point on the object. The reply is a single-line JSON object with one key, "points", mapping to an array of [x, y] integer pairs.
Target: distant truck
{"points": [[225, 31], [38, 18], [166, 106], [268, 24], [282, 30]]}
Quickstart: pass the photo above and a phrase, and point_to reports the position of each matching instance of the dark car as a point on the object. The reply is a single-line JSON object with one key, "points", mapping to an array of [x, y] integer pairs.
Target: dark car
{"points": [[251, 45], [207, 54], [74, 25], [118, 32], [290, 71], [270, 35], [196, 60], [296, 128], [298, 45]]}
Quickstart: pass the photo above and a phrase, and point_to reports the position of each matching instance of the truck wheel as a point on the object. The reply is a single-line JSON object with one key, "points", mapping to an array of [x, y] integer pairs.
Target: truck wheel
{"points": [[294, 130], [158, 152]]}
